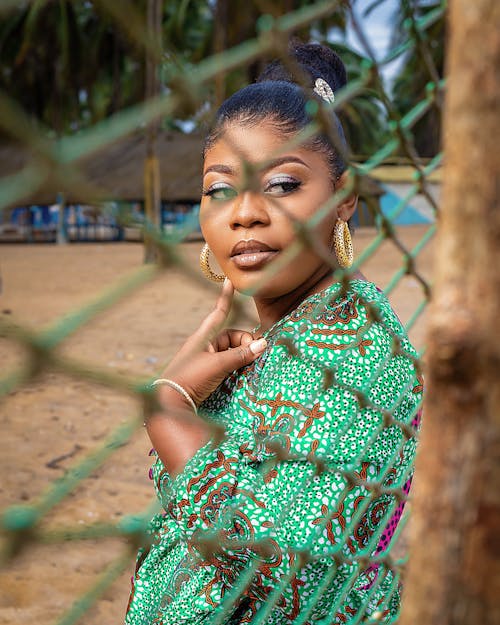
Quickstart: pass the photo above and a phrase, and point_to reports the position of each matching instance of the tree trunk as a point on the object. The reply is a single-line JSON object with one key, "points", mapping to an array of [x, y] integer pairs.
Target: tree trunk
{"points": [[219, 45], [62, 232], [454, 569], [152, 184]]}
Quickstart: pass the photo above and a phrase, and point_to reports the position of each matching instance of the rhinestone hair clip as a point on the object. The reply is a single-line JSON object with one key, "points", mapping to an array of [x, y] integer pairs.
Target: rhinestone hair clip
{"points": [[323, 89]]}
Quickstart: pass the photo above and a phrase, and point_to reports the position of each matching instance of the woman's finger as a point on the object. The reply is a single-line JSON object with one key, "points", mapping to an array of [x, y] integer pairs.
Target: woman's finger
{"points": [[213, 322], [246, 339], [230, 338], [225, 298], [233, 359]]}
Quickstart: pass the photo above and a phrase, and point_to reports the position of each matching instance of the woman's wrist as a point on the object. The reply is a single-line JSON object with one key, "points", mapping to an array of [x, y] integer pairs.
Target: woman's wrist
{"points": [[177, 388], [171, 400]]}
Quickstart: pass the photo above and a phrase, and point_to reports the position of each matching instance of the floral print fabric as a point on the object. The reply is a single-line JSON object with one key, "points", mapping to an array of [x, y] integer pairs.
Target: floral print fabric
{"points": [[289, 505]]}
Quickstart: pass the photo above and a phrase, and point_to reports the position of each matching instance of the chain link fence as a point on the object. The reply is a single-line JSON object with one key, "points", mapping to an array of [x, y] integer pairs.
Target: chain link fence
{"points": [[23, 525]]}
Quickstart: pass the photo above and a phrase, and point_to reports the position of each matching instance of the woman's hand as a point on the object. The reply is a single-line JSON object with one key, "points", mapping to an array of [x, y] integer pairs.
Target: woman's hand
{"points": [[204, 361], [210, 355]]}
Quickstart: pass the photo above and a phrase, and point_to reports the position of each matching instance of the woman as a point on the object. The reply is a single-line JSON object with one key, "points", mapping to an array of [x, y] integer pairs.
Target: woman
{"points": [[273, 520]]}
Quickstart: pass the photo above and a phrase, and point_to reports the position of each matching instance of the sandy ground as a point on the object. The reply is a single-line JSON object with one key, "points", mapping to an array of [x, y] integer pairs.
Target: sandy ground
{"points": [[51, 425]]}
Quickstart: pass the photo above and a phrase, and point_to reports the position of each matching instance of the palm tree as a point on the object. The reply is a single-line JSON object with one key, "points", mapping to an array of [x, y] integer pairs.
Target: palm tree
{"points": [[363, 117], [66, 64], [410, 83], [236, 21], [70, 65]]}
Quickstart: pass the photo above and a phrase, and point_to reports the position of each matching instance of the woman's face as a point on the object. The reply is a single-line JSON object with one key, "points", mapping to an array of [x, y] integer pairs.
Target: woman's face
{"points": [[247, 229]]}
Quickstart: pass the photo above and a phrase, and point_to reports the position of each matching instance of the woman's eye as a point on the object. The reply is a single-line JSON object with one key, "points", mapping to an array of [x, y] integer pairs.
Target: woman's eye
{"points": [[282, 187], [220, 192]]}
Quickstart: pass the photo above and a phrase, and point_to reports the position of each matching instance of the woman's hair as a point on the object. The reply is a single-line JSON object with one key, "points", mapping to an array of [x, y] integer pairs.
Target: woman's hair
{"points": [[279, 101]]}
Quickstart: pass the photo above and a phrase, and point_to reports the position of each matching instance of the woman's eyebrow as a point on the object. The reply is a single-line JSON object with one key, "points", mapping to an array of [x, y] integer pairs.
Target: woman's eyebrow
{"points": [[225, 169], [276, 162], [220, 169]]}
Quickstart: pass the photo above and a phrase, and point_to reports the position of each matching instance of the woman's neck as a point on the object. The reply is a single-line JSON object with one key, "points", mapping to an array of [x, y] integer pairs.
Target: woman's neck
{"points": [[271, 310]]}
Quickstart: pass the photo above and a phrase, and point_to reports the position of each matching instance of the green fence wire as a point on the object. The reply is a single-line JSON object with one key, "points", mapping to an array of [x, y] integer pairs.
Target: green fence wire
{"points": [[21, 524]]}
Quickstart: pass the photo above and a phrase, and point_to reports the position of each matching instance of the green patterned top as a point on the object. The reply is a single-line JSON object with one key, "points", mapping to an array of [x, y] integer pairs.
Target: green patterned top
{"points": [[274, 522]]}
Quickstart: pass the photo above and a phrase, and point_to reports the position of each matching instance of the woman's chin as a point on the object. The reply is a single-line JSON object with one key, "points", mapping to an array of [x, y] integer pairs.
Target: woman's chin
{"points": [[258, 286]]}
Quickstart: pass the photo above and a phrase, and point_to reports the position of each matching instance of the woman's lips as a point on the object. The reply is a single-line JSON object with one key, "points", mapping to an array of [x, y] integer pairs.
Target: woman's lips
{"points": [[253, 260], [251, 254]]}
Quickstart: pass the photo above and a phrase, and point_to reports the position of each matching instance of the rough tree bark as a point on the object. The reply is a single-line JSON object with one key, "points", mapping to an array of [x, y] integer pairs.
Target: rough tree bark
{"points": [[454, 570]]}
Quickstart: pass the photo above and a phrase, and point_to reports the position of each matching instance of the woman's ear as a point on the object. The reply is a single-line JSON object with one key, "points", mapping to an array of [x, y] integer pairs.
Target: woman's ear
{"points": [[347, 207]]}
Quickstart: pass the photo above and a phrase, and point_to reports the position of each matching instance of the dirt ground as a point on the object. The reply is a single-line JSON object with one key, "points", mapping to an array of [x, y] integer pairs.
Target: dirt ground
{"points": [[51, 425]]}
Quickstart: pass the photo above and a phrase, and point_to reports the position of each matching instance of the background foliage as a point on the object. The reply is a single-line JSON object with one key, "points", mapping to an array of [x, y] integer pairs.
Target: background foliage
{"points": [[72, 63]]}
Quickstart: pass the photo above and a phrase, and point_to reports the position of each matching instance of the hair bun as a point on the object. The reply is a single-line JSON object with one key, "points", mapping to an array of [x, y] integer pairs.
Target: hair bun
{"points": [[318, 61]]}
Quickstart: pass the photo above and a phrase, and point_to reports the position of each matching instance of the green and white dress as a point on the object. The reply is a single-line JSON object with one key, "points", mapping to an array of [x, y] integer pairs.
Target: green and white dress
{"points": [[287, 516]]}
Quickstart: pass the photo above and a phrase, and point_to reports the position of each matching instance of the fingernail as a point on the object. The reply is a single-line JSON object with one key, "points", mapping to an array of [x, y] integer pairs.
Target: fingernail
{"points": [[258, 346], [226, 282]]}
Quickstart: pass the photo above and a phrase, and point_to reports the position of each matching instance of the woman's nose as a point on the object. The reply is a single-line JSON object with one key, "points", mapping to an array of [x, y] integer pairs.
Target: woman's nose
{"points": [[249, 210]]}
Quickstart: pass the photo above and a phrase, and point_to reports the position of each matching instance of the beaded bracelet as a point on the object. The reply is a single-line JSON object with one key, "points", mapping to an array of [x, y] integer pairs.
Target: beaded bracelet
{"points": [[178, 388]]}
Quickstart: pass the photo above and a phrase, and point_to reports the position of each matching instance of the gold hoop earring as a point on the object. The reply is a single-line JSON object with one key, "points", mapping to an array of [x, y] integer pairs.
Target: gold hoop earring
{"points": [[342, 244], [205, 266]]}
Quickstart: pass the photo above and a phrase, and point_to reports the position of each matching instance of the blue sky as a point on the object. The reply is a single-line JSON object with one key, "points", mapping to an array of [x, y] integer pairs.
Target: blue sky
{"points": [[377, 25]]}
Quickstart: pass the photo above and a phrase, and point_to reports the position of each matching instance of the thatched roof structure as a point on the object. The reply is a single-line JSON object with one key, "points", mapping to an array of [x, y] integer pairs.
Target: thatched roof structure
{"points": [[117, 171]]}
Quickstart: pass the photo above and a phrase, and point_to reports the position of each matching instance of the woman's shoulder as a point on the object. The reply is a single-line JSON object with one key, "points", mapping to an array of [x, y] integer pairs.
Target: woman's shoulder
{"points": [[338, 338], [342, 331], [341, 317], [346, 337]]}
